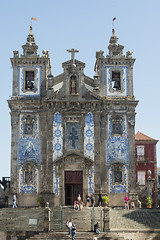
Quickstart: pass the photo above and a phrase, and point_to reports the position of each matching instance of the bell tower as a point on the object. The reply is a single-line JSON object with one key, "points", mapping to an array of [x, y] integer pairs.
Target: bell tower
{"points": [[114, 84], [30, 70], [30, 81], [115, 71]]}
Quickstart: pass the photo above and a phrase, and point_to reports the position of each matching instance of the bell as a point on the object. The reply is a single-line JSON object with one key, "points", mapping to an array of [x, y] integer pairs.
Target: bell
{"points": [[30, 85], [116, 85]]}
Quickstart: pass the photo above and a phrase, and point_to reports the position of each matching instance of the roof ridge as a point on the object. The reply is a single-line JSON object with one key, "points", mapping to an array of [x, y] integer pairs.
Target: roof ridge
{"points": [[141, 136]]}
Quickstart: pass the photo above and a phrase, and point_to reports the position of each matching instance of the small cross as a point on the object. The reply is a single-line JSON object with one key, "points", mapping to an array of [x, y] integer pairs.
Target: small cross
{"points": [[73, 136], [72, 51]]}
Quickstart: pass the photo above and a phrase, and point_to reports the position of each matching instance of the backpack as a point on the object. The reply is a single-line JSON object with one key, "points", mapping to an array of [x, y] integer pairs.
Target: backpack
{"points": [[67, 223], [73, 227]]}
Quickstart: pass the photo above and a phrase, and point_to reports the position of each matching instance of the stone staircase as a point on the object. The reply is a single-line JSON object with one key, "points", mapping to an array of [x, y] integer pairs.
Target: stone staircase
{"points": [[82, 218], [138, 224]]}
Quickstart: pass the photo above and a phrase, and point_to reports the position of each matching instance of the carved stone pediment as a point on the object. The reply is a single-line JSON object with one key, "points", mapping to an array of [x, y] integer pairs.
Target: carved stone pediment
{"points": [[74, 157], [73, 109], [117, 163]]}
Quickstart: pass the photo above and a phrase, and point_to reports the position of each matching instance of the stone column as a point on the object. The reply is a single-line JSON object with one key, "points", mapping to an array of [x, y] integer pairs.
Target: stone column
{"points": [[106, 226], [14, 139], [149, 185], [47, 218], [132, 158]]}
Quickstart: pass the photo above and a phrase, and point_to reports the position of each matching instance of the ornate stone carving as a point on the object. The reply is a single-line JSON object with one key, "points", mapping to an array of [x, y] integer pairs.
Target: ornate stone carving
{"points": [[16, 53], [45, 54], [129, 54]]}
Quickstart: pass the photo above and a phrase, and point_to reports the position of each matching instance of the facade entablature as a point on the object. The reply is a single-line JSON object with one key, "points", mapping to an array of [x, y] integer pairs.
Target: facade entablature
{"points": [[116, 61], [30, 61]]}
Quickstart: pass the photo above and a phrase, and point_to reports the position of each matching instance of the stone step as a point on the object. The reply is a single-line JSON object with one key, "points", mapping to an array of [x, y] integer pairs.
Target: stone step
{"points": [[79, 236], [82, 218], [135, 219]]}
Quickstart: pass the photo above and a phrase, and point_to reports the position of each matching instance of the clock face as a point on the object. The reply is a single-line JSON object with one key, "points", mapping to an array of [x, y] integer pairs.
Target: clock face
{"points": [[117, 128], [28, 129]]}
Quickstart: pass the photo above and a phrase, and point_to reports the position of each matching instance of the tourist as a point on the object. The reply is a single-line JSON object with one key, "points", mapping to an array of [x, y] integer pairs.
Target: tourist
{"points": [[73, 230], [100, 200], [76, 205], [132, 204], [97, 228], [81, 205], [87, 199], [69, 226], [14, 201], [126, 200], [79, 198], [140, 204], [92, 200]]}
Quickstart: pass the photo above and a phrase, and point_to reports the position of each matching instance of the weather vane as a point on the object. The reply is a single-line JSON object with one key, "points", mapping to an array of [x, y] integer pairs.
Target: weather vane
{"points": [[113, 21], [35, 19]]}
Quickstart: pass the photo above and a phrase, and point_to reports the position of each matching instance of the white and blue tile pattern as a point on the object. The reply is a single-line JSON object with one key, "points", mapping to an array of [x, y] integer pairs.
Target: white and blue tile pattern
{"points": [[55, 182], [57, 136], [24, 188], [89, 136], [28, 152], [117, 150], [57, 147], [91, 182]]}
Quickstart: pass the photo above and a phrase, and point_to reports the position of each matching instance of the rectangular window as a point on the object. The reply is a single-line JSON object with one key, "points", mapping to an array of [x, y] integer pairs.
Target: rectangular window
{"points": [[140, 151], [29, 80], [141, 177], [116, 80]]}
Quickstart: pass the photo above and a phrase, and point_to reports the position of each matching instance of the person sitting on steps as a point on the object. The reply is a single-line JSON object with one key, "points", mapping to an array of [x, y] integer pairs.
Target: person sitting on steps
{"points": [[97, 228]]}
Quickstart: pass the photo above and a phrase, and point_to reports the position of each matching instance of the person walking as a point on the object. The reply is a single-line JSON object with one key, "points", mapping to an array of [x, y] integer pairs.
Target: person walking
{"points": [[69, 226], [73, 230], [14, 201]]}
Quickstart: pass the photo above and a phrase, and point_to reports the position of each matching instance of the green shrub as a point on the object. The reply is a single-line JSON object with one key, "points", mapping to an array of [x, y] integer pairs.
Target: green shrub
{"points": [[149, 201], [40, 201], [105, 199]]}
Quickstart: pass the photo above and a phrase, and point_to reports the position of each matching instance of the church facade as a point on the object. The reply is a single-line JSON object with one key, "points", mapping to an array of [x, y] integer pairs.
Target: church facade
{"points": [[72, 133]]}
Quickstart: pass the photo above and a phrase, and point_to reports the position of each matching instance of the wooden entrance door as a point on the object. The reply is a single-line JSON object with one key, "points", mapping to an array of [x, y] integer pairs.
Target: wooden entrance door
{"points": [[73, 186]]}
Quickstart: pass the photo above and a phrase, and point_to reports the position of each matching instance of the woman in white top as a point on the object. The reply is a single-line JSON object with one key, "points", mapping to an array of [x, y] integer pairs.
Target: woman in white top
{"points": [[79, 198]]}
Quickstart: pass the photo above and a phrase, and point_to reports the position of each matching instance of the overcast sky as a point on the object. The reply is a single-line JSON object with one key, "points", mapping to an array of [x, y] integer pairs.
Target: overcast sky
{"points": [[87, 26]]}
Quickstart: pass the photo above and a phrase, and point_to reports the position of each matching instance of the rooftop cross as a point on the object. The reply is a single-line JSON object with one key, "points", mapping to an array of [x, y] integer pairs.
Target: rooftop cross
{"points": [[72, 51]]}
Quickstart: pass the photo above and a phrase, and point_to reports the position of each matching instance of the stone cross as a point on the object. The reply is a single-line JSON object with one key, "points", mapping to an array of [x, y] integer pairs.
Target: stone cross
{"points": [[72, 51]]}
